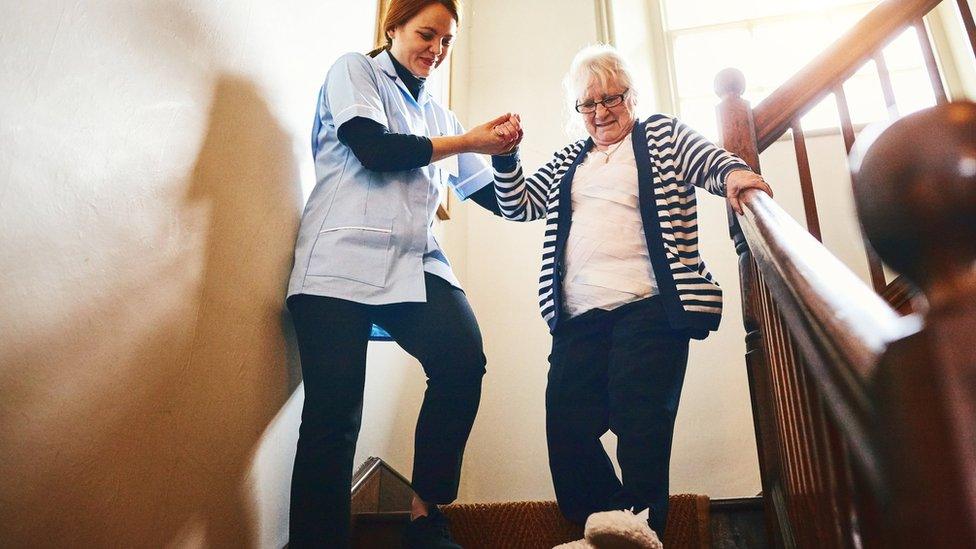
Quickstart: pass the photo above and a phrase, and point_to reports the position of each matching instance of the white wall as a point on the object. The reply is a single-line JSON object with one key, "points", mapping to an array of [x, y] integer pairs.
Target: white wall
{"points": [[153, 157], [515, 58]]}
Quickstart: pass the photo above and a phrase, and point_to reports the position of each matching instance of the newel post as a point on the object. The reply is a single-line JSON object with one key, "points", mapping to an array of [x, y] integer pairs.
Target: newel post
{"points": [[737, 135], [915, 192]]}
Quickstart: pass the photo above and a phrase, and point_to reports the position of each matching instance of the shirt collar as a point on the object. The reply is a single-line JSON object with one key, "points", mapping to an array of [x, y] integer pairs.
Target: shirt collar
{"points": [[385, 61]]}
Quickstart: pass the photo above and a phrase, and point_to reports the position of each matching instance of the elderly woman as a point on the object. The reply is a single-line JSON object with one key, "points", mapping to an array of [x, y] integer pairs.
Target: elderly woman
{"points": [[622, 287]]}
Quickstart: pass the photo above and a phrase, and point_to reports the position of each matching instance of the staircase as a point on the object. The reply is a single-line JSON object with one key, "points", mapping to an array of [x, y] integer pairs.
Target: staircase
{"points": [[381, 503], [865, 414], [863, 396]]}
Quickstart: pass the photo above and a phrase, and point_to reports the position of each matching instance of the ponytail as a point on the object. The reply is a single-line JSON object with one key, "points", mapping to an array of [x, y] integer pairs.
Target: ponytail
{"points": [[378, 50]]}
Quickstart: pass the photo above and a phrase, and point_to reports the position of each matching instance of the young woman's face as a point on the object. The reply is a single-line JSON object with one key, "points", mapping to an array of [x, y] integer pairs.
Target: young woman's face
{"points": [[422, 43]]}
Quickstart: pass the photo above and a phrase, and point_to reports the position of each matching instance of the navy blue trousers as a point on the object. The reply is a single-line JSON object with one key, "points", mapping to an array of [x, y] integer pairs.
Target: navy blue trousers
{"points": [[332, 338], [622, 371]]}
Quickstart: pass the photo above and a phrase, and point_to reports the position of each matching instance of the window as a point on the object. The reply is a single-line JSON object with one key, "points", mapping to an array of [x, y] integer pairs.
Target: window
{"points": [[769, 42]]}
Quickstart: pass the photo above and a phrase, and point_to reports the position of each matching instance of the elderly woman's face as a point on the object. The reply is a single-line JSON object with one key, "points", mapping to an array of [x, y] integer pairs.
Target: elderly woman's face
{"points": [[607, 125]]}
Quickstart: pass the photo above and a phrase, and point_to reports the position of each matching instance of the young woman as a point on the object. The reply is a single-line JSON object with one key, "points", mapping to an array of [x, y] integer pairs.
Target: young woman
{"points": [[366, 255]]}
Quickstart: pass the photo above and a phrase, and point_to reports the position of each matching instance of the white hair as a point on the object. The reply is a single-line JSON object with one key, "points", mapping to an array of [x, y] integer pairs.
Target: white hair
{"points": [[600, 62]]}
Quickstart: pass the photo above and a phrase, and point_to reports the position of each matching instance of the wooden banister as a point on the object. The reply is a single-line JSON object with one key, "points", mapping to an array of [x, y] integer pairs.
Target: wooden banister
{"points": [[890, 460], [774, 115], [835, 303], [841, 326], [865, 416], [915, 193]]}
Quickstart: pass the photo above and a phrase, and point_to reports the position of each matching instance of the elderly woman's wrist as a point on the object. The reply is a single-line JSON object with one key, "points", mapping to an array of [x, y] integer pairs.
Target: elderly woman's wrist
{"points": [[729, 170], [505, 162]]}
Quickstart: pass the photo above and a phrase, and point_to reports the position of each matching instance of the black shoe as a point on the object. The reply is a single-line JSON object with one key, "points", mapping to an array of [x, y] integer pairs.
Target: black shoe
{"points": [[429, 532]]}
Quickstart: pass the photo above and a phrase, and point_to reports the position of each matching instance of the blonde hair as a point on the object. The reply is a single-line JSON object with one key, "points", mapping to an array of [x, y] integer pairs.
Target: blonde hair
{"points": [[600, 62]]}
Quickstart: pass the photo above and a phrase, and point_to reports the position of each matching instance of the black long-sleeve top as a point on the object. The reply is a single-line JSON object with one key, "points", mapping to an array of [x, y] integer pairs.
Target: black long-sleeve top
{"points": [[381, 150]]}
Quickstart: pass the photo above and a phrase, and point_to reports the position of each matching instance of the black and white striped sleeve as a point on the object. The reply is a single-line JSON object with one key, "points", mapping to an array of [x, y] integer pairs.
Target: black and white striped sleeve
{"points": [[523, 198], [700, 162]]}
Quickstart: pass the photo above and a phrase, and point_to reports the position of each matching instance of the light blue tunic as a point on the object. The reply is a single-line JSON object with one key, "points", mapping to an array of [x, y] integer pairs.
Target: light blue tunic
{"points": [[366, 236]]}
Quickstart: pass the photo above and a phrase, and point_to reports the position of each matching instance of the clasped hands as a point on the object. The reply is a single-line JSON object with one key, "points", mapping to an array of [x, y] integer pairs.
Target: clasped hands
{"points": [[498, 136]]}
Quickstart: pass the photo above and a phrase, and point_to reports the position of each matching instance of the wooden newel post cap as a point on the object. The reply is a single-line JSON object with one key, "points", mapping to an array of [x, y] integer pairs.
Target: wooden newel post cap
{"points": [[730, 82], [915, 193]]}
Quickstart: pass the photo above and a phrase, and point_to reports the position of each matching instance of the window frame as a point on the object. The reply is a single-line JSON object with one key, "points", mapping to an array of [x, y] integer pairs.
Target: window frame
{"points": [[661, 40]]}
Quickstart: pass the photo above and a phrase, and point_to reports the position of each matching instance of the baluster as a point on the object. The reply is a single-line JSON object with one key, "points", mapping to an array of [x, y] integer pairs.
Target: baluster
{"points": [[930, 63], [793, 523], [739, 137], [847, 128], [874, 265], [828, 527], [886, 88], [843, 496], [761, 392], [806, 180], [967, 21], [799, 523], [801, 501], [772, 333], [824, 454]]}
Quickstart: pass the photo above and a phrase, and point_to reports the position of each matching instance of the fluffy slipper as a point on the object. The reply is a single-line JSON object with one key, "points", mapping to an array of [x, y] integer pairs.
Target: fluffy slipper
{"points": [[620, 530]]}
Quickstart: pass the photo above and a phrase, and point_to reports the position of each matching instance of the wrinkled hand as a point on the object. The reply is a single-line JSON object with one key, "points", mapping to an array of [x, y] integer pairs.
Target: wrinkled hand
{"points": [[488, 139], [739, 180], [511, 129]]}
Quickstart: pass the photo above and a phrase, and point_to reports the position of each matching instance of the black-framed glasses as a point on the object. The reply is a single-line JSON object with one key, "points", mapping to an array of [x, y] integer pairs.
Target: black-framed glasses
{"points": [[608, 102]]}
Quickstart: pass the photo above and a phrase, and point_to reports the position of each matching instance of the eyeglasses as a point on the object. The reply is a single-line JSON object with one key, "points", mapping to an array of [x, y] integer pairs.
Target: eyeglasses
{"points": [[608, 102]]}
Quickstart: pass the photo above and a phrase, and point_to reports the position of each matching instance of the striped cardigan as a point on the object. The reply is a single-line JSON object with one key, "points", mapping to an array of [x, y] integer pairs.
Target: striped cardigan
{"points": [[671, 160]]}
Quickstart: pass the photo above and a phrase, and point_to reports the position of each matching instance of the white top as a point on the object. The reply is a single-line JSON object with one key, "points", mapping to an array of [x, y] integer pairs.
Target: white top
{"points": [[607, 264]]}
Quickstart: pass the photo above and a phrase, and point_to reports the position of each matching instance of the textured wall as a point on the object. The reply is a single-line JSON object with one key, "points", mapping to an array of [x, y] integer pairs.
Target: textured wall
{"points": [[152, 159]]}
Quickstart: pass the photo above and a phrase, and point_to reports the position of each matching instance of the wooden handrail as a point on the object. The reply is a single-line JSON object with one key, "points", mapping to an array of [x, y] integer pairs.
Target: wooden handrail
{"points": [[864, 419], [836, 302], [774, 115], [840, 324]]}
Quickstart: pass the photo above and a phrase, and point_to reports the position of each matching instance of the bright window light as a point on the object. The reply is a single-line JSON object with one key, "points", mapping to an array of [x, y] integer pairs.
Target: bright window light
{"points": [[769, 42]]}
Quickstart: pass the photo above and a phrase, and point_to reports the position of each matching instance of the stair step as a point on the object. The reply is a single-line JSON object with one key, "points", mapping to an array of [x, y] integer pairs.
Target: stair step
{"points": [[527, 525], [378, 530], [738, 523]]}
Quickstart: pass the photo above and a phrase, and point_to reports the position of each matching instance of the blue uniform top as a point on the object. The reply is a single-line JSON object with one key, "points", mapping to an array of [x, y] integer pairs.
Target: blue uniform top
{"points": [[366, 236]]}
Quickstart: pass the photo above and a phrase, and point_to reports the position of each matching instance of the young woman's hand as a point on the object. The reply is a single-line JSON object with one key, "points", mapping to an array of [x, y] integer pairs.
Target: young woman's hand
{"points": [[511, 129], [486, 139]]}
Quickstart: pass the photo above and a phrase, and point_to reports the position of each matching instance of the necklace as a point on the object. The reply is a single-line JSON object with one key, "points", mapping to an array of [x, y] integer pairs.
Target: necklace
{"points": [[609, 152]]}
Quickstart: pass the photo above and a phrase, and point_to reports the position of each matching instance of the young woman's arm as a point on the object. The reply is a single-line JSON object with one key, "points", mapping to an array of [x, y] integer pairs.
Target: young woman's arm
{"points": [[381, 150]]}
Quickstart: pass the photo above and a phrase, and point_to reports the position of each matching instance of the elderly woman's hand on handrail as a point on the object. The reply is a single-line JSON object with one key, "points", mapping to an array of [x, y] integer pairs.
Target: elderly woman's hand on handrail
{"points": [[739, 180]]}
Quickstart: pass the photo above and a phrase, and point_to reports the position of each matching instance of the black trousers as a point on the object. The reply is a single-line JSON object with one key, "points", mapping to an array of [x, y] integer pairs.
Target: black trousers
{"points": [[619, 370], [332, 338]]}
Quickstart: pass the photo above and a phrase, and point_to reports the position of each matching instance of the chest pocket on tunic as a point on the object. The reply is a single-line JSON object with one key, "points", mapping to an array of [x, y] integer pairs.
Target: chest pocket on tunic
{"points": [[360, 253]]}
